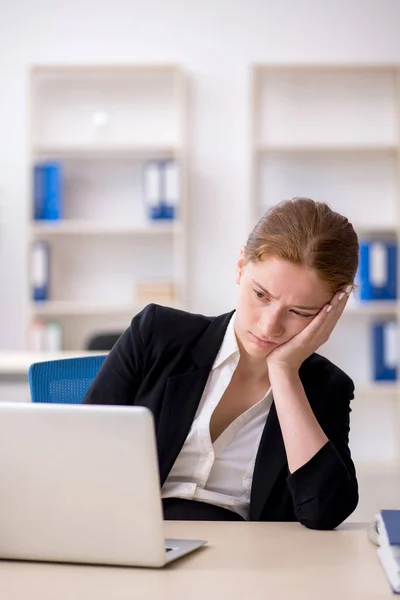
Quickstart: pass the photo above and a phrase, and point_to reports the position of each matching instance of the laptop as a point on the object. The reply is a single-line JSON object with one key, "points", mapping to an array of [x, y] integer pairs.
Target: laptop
{"points": [[80, 484]]}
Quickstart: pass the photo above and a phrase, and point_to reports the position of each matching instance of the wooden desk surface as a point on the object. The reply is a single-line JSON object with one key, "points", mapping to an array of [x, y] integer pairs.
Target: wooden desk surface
{"points": [[249, 561]]}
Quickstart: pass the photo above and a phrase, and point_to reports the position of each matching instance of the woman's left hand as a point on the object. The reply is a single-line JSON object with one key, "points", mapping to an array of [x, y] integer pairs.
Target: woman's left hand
{"points": [[291, 355]]}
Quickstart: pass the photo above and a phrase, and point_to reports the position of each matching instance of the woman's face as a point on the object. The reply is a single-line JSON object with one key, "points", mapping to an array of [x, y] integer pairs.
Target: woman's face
{"points": [[276, 301]]}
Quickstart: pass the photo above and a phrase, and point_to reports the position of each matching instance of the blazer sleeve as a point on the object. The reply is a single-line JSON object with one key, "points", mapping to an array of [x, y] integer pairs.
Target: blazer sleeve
{"points": [[122, 372], [325, 489]]}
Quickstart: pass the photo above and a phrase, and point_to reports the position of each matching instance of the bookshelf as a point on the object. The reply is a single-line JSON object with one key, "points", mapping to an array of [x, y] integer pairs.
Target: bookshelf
{"points": [[331, 132], [103, 124]]}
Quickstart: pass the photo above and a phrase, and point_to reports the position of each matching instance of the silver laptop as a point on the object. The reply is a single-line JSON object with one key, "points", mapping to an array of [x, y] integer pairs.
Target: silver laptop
{"points": [[80, 484]]}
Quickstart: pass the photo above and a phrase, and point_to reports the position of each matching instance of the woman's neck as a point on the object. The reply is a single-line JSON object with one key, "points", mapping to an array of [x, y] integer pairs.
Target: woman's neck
{"points": [[252, 368]]}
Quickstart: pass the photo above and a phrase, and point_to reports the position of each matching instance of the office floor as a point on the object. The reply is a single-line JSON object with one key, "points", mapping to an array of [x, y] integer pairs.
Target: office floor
{"points": [[379, 487]]}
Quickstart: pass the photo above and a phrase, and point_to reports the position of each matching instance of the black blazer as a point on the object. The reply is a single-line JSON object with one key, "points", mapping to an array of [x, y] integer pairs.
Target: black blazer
{"points": [[162, 361]]}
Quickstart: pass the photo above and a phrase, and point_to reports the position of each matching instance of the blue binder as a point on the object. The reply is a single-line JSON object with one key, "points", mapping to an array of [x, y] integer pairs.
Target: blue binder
{"points": [[48, 198], [385, 342], [377, 273]]}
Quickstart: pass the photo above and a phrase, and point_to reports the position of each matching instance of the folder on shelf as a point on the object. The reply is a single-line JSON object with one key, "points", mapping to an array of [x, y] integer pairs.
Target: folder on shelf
{"points": [[48, 191], [161, 188], [40, 270], [388, 526], [377, 273], [385, 354]]}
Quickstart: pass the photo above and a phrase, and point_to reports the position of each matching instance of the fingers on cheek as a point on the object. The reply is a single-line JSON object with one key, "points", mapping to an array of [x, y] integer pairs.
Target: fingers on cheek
{"points": [[339, 301]]}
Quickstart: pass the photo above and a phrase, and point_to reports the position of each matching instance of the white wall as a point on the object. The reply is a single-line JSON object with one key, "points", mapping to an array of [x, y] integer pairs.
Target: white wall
{"points": [[215, 41]]}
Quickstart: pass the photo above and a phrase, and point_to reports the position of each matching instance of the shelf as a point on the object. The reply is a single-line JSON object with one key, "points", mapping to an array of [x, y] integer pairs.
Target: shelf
{"points": [[74, 308], [264, 148], [66, 308], [95, 152], [375, 232], [82, 227], [381, 388], [374, 307], [325, 67], [89, 70]]}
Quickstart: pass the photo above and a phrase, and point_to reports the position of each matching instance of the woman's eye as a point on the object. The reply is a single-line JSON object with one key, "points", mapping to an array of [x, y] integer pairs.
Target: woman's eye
{"points": [[259, 295], [302, 314]]}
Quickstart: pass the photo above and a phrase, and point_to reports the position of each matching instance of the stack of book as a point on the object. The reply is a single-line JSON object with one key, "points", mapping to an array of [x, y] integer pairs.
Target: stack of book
{"points": [[45, 336], [160, 293], [388, 525]]}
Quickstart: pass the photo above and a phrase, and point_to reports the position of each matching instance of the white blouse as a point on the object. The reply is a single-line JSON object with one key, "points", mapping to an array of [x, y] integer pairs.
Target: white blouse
{"points": [[220, 473]]}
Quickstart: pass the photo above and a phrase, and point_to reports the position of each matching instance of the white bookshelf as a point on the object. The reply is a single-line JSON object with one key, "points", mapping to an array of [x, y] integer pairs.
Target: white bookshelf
{"points": [[105, 245], [331, 132]]}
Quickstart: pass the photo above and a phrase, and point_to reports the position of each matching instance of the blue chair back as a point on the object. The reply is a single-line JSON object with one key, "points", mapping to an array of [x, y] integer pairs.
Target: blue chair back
{"points": [[63, 381]]}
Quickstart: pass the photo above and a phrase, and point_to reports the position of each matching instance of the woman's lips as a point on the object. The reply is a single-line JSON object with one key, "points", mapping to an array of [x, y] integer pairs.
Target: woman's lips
{"points": [[261, 343]]}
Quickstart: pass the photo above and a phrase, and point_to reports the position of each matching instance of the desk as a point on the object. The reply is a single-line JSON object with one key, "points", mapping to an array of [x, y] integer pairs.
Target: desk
{"points": [[246, 561]]}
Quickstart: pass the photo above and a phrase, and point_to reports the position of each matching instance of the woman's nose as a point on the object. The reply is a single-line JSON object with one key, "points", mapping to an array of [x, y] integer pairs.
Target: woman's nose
{"points": [[271, 326]]}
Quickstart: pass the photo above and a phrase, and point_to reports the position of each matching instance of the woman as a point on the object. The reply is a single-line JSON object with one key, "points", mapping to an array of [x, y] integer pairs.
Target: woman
{"points": [[251, 424]]}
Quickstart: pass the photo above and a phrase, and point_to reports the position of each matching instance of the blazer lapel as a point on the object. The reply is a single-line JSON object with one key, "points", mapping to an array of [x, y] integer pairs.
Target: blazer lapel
{"points": [[183, 394], [270, 460], [181, 400]]}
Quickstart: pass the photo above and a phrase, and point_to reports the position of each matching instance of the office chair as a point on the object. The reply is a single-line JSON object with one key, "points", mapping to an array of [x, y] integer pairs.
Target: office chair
{"points": [[63, 381], [103, 341]]}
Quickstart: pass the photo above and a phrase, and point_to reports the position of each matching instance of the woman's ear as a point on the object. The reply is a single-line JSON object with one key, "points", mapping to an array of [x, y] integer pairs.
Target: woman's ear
{"points": [[240, 266]]}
